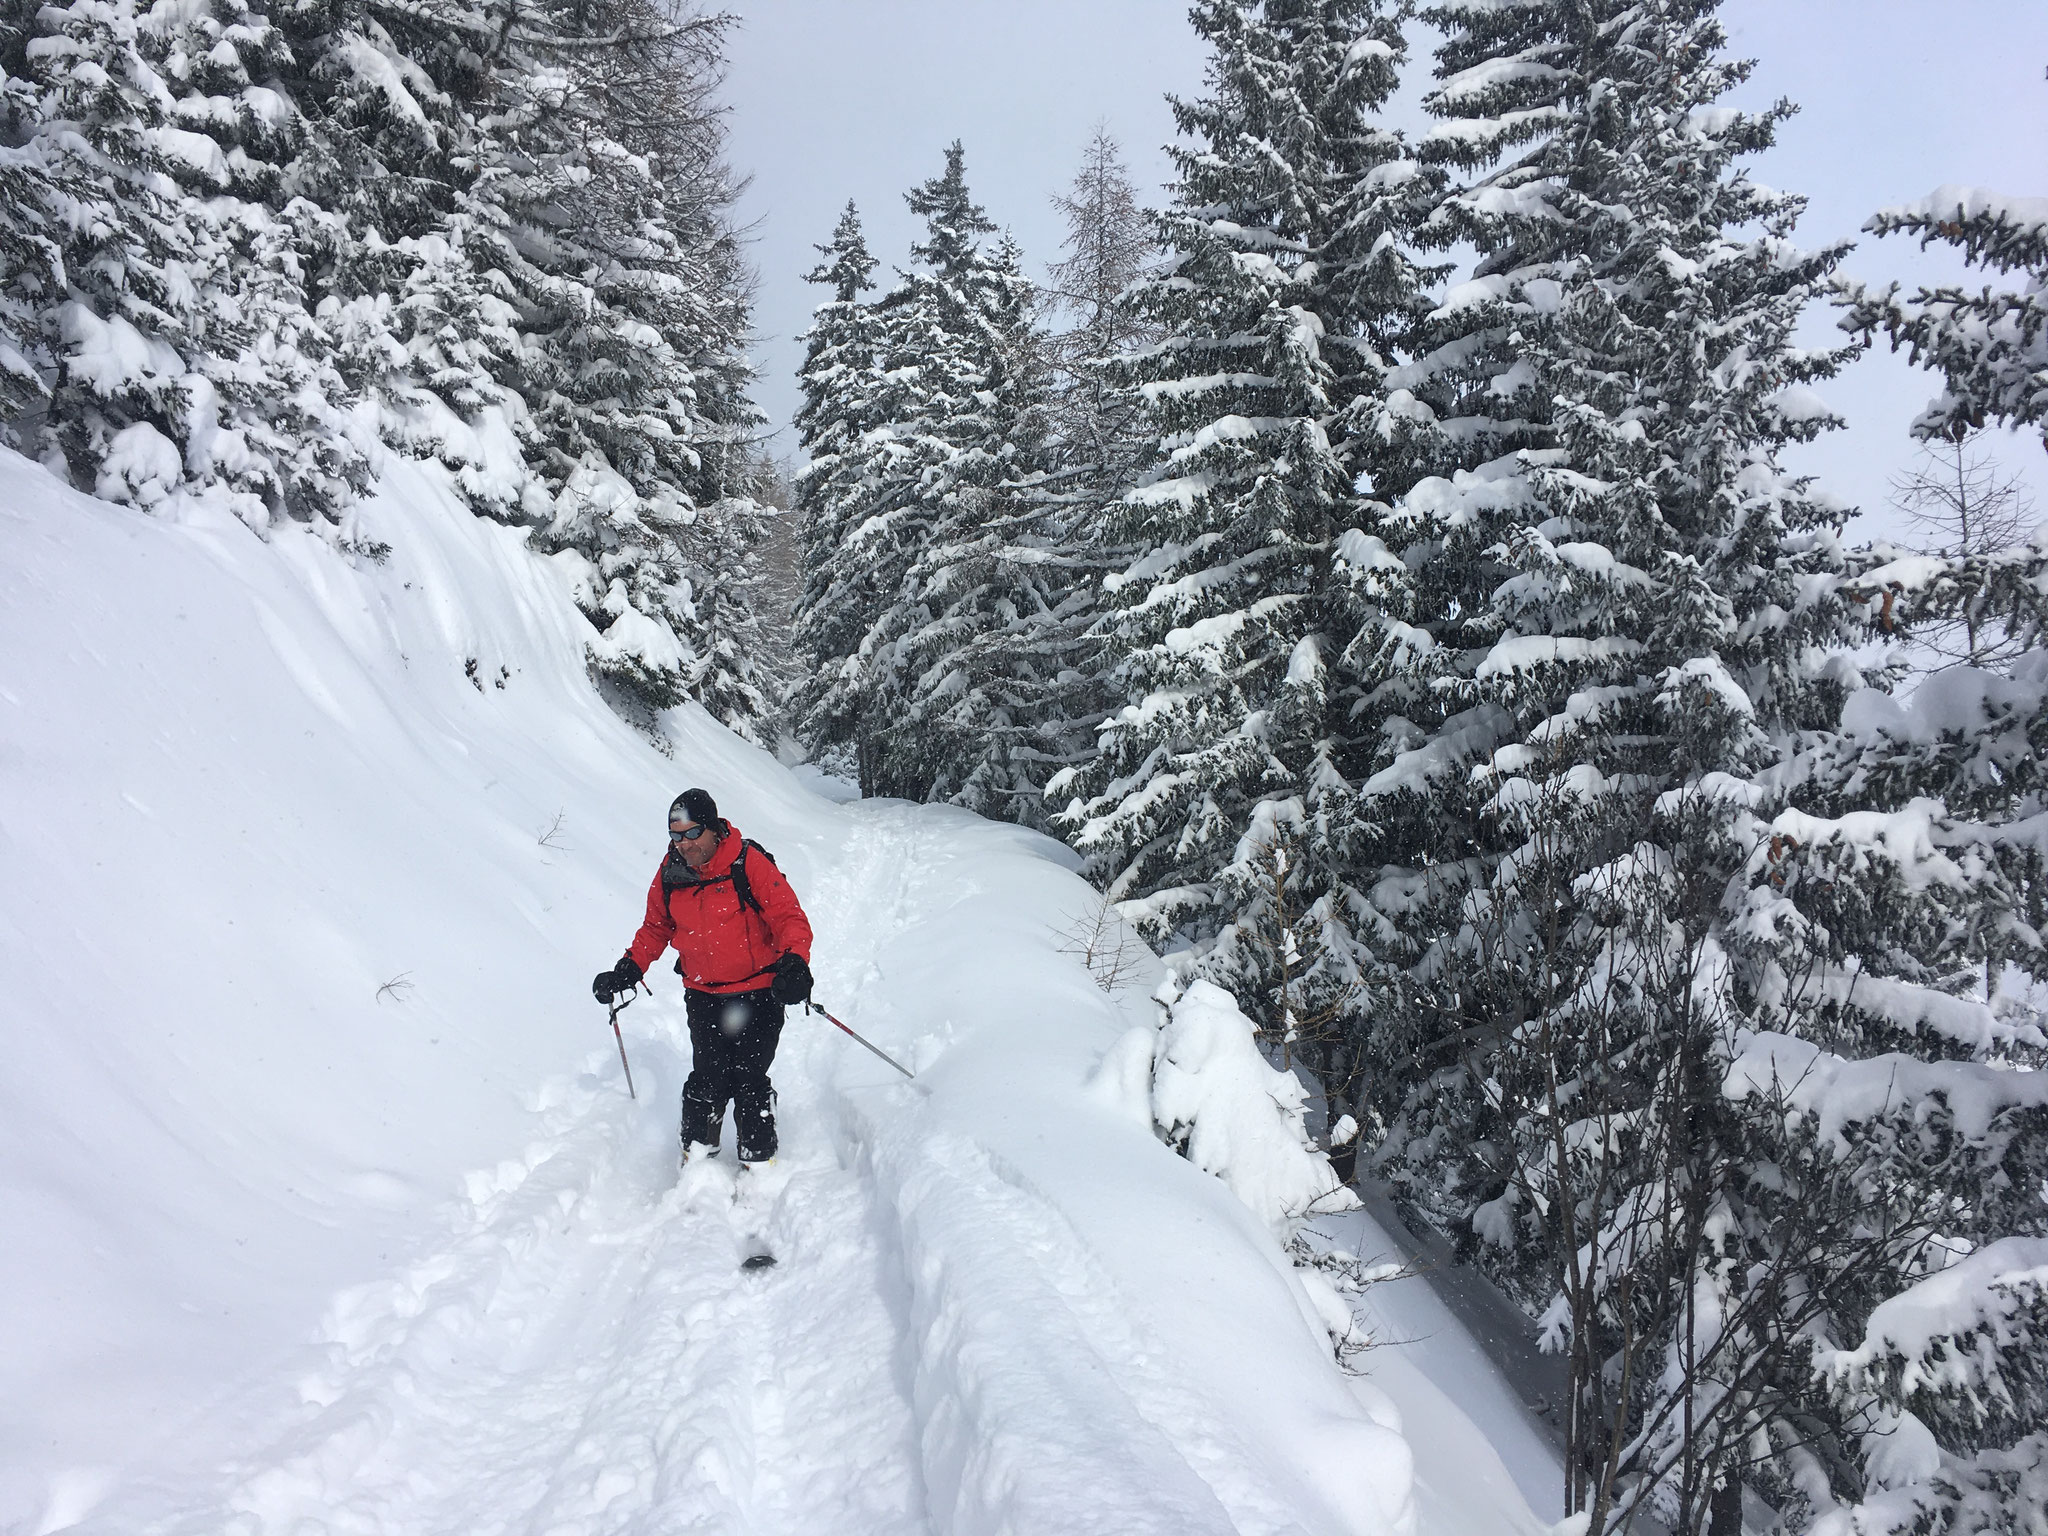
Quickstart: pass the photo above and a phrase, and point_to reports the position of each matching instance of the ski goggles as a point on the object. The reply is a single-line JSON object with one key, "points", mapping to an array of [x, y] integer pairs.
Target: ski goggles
{"points": [[686, 834]]}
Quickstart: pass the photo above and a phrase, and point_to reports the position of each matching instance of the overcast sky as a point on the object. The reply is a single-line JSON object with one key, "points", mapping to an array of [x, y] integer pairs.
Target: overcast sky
{"points": [[838, 99]]}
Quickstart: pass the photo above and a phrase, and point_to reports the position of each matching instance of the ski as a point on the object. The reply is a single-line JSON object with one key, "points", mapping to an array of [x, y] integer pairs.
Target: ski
{"points": [[747, 1195], [742, 1191]]}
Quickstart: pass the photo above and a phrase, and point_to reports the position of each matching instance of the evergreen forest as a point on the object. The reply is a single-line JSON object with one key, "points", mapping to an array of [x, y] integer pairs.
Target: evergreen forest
{"points": [[1375, 556]]}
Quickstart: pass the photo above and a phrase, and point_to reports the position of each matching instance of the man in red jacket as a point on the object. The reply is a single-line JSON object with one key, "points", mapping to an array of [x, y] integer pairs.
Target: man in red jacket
{"points": [[743, 948]]}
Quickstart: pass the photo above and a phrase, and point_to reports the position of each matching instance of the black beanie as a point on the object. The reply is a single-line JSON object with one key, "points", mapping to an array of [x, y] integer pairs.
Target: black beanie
{"points": [[698, 806]]}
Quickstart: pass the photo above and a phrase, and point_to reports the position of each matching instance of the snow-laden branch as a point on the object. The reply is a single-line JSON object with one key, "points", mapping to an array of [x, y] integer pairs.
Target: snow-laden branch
{"points": [[1925, 1338], [1838, 1093]]}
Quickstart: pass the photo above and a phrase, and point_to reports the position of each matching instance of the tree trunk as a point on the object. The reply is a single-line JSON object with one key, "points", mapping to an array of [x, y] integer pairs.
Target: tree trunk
{"points": [[1724, 1515]]}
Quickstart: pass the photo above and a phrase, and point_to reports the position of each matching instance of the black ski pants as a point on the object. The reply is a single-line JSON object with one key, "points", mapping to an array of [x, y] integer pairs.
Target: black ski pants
{"points": [[732, 1044]]}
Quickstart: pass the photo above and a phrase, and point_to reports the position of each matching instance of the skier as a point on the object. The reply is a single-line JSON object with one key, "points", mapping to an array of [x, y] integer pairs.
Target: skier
{"points": [[743, 950]]}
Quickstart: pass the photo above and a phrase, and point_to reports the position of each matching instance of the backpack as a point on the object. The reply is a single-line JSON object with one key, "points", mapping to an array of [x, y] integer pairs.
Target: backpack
{"points": [[675, 874]]}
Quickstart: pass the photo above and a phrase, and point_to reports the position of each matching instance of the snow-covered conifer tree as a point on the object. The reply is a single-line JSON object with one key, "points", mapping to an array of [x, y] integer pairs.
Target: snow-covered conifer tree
{"points": [[778, 588], [956, 649], [600, 217], [31, 249], [991, 632], [1612, 636], [426, 331], [893, 463], [180, 355], [502, 229], [734, 676], [1304, 940], [1905, 1106], [838, 602], [934, 596], [931, 355], [1284, 293], [1923, 859]]}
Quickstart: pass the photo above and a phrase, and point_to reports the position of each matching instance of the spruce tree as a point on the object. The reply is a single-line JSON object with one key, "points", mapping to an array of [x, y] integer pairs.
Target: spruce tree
{"points": [[1905, 1104], [1927, 807], [838, 601], [986, 633], [933, 603], [1612, 642], [734, 674], [900, 460], [31, 239], [1305, 939], [954, 428], [603, 223], [1284, 288], [1588, 625], [778, 589], [396, 98], [180, 357], [502, 231]]}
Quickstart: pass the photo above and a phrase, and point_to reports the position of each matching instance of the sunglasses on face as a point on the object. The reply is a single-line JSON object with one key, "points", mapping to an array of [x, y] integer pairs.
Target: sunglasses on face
{"points": [[686, 834]]}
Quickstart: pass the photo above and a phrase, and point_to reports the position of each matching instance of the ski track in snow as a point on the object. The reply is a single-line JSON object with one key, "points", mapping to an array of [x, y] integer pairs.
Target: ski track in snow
{"points": [[584, 1353]]}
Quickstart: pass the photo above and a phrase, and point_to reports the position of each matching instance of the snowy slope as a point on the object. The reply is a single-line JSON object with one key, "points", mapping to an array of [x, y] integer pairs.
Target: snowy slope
{"points": [[327, 1211]]}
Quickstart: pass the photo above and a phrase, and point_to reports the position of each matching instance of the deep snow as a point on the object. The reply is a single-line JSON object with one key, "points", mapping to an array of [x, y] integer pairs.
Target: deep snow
{"points": [[326, 1209]]}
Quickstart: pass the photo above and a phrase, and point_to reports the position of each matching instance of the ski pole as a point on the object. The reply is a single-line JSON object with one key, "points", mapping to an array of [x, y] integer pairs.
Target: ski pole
{"points": [[616, 1006], [810, 1007]]}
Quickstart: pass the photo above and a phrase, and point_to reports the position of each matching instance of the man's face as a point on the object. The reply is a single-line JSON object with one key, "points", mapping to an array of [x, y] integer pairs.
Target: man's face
{"points": [[696, 843]]}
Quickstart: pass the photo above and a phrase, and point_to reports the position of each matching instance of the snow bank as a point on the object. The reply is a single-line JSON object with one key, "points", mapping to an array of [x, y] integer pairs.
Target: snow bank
{"points": [[285, 949], [1217, 1098], [1029, 1202]]}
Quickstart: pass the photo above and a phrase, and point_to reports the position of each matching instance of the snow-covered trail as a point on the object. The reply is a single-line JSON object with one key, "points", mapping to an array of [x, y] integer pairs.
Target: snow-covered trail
{"points": [[584, 1354]]}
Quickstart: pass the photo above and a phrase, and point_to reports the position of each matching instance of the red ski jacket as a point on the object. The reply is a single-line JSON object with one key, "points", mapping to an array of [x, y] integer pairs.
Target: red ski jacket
{"points": [[722, 945]]}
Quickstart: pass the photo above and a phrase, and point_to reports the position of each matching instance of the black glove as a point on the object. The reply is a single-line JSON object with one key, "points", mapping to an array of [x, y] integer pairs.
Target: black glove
{"points": [[623, 977], [792, 983]]}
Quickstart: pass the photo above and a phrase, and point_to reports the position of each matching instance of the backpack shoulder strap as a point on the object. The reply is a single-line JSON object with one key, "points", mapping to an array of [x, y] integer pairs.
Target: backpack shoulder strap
{"points": [[741, 885]]}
